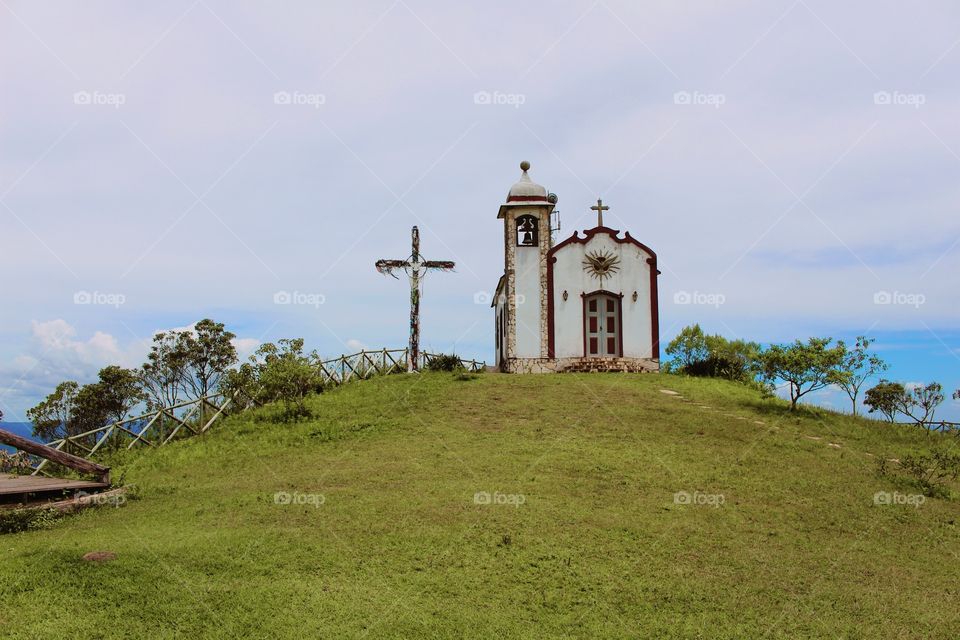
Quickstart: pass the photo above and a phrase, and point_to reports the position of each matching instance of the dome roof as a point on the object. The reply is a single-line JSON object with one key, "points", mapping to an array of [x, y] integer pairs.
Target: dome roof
{"points": [[526, 190]]}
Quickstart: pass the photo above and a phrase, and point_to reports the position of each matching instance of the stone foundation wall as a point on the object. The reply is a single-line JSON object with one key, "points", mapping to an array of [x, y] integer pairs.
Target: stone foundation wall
{"points": [[581, 365]]}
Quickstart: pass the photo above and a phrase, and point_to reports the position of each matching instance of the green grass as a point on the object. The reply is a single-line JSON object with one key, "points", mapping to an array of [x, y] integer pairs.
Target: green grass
{"points": [[399, 549]]}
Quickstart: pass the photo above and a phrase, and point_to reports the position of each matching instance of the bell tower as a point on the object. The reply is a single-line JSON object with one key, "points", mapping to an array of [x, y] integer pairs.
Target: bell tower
{"points": [[521, 299]]}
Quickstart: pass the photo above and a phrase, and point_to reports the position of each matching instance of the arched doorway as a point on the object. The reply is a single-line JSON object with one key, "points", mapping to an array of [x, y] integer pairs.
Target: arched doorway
{"points": [[602, 325]]}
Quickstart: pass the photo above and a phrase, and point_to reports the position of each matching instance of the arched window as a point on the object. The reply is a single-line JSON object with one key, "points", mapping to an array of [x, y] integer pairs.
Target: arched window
{"points": [[527, 231]]}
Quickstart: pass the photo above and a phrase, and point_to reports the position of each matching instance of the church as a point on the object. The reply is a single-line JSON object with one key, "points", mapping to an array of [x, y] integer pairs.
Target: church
{"points": [[586, 303]]}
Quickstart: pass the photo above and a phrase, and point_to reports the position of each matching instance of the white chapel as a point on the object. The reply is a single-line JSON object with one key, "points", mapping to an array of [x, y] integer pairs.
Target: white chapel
{"points": [[587, 303]]}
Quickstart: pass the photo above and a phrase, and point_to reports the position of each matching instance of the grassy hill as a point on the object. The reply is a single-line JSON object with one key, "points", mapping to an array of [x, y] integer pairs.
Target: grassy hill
{"points": [[383, 536]]}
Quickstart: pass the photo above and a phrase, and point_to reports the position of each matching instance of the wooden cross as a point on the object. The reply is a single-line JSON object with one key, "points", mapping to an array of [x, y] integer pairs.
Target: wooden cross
{"points": [[416, 268], [600, 208]]}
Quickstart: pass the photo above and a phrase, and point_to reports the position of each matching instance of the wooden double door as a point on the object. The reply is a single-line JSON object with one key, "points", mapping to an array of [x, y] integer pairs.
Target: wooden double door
{"points": [[602, 326]]}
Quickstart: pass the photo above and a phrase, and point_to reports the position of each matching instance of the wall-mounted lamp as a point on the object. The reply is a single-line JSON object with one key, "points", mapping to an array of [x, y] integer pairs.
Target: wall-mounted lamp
{"points": [[564, 295], [635, 296]]}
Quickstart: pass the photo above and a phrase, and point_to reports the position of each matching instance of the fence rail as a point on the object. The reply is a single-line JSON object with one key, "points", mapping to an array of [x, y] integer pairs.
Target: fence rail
{"points": [[159, 426], [943, 426]]}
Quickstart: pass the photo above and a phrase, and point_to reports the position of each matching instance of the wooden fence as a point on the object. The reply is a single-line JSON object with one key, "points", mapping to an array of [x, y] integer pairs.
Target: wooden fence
{"points": [[367, 364], [942, 426], [153, 428], [159, 426]]}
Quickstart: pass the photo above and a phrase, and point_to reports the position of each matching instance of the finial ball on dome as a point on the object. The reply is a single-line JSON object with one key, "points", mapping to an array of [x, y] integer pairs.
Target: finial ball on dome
{"points": [[524, 166]]}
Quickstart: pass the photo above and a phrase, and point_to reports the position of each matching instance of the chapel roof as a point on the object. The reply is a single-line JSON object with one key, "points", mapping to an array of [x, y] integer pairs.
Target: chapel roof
{"points": [[526, 192], [526, 188]]}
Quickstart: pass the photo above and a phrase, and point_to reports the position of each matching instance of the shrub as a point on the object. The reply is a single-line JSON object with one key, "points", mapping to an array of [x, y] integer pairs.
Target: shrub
{"points": [[17, 520], [694, 353], [445, 362], [932, 472], [279, 372], [15, 463]]}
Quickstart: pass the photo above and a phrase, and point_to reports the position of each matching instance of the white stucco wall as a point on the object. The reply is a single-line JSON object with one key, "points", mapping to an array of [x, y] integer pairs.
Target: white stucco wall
{"points": [[527, 289], [633, 276]]}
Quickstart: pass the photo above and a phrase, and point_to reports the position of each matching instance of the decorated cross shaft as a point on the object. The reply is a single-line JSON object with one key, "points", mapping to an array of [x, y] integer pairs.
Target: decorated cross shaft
{"points": [[416, 268]]}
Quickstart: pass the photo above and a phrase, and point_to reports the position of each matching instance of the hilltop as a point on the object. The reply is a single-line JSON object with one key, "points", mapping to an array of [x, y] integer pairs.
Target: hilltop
{"points": [[616, 510]]}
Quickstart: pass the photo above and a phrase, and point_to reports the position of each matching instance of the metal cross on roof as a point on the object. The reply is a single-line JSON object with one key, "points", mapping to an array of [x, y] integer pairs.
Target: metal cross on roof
{"points": [[416, 268], [600, 208]]}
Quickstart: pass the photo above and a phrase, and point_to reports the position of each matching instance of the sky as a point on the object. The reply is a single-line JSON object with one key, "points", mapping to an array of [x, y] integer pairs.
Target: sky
{"points": [[794, 164]]}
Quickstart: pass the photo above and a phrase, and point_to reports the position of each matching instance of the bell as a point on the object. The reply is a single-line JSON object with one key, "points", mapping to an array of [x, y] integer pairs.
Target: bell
{"points": [[527, 237]]}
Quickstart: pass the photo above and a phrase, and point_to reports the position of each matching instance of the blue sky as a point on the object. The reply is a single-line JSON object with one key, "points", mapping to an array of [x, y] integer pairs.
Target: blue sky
{"points": [[793, 163]]}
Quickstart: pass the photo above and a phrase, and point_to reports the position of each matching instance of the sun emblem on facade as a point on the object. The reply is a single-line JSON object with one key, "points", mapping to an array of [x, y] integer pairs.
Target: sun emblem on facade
{"points": [[601, 264]]}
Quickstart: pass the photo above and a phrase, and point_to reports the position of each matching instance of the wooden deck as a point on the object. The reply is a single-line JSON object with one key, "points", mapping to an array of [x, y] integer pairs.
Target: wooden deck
{"points": [[21, 485]]}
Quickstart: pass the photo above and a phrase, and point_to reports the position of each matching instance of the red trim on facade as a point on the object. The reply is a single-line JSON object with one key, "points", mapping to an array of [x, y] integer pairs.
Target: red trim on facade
{"points": [[654, 295], [620, 327], [613, 233], [528, 199], [654, 308], [583, 324]]}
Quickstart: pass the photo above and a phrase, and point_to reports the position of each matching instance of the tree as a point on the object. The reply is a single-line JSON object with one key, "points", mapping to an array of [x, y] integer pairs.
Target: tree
{"points": [[736, 360], [121, 391], [921, 402], [697, 354], [208, 352], [288, 375], [241, 384], [282, 372], [885, 398], [689, 347], [89, 409], [163, 373], [805, 367], [190, 362], [856, 367], [16, 462], [53, 417]]}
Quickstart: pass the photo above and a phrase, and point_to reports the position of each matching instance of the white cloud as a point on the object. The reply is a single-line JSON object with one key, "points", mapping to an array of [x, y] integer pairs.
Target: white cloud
{"points": [[54, 342], [56, 352], [398, 115], [355, 345], [245, 347]]}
